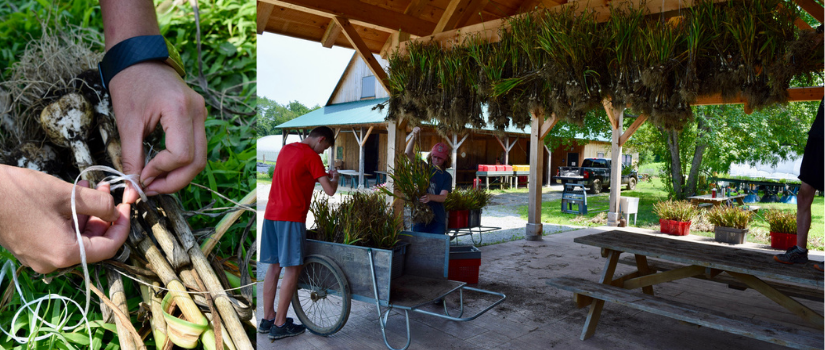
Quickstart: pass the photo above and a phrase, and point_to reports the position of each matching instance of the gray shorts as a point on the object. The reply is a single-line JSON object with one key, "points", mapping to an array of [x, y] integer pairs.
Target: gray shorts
{"points": [[282, 242]]}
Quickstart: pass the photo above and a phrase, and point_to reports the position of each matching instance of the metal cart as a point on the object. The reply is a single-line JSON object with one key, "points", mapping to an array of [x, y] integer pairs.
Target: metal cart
{"points": [[334, 274]]}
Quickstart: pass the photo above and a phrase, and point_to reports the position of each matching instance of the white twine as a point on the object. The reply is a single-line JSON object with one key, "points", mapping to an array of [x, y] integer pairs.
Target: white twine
{"points": [[177, 291], [118, 181], [134, 178], [9, 266]]}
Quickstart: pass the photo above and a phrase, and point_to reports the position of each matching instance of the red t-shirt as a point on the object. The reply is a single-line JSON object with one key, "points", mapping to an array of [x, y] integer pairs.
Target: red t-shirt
{"points": [[296, 171]]}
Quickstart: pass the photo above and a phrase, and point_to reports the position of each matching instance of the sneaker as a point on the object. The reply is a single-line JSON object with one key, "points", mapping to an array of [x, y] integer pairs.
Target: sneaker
{"points": [[793, 256], [289, 329], [265, 325]]}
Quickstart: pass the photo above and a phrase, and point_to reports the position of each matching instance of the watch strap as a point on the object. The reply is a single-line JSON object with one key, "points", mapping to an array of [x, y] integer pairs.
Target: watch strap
{"points": [[137, 50]]}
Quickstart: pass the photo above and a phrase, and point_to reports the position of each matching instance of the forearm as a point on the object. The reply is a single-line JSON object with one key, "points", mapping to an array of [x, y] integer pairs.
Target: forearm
{"points": [[440, 198], [409, 150], [126, 19]]}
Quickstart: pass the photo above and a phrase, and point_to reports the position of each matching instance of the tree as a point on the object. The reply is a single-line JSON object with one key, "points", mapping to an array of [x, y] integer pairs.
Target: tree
{"points": [[722, 135], [271, 114]]}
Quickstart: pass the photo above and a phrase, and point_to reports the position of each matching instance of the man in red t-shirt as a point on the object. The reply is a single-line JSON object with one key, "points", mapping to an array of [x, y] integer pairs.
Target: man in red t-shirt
{"points": [[297, 169]]}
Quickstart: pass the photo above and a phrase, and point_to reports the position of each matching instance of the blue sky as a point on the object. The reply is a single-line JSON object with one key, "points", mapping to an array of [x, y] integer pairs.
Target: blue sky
{"points": [[292, 69]]}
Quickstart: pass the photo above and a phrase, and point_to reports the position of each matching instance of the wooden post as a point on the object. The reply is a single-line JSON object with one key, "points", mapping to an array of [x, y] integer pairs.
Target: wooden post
{"points": [[549, 165], [615, 166], [507, 147], [455, 144], [361, 158], [534, 228], [396, 143]]}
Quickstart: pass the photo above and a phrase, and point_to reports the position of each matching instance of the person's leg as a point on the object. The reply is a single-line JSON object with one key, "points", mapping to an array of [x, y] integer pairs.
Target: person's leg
{"points": [[804, 199], [270, 287], [288, 287]]}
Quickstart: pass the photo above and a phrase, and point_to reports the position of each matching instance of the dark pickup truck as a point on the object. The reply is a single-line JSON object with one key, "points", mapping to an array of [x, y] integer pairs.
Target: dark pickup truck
{"points": [[595, 175]]}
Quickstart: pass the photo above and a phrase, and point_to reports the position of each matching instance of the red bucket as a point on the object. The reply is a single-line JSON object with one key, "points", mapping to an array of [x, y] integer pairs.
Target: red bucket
{"points": [[782, 241], [680, 228], [664, 226], [458, 219]]}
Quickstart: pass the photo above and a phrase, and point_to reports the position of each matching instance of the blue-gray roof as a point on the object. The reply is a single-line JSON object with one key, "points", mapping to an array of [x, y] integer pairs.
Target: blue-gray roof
{"points": [[361, 112]]}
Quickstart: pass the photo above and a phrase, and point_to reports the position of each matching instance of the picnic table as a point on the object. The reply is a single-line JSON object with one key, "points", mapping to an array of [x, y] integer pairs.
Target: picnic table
{"points": [[770, 189], [718, 200], [706, 262], [488, 174], [380, 177], [352, 177]]}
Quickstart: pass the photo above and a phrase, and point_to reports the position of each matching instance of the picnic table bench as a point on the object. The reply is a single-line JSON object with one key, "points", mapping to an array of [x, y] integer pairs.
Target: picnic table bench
{"points": [[699, 259]]}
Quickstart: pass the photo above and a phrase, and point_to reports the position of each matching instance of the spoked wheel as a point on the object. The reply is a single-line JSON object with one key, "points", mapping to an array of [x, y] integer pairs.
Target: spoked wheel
{"points": [[322, 300]]}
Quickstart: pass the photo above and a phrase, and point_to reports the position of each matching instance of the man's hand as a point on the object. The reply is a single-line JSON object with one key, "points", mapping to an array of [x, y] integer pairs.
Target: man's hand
{"points": [[36, 220], [144, 95]]}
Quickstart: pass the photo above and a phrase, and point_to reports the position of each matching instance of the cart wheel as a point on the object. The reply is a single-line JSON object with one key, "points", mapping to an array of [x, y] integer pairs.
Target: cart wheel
{"points": [[322, 300]]}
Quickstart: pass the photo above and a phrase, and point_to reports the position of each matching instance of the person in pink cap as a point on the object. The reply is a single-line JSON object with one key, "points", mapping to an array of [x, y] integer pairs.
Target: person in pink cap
{"points": [[441, 184]]}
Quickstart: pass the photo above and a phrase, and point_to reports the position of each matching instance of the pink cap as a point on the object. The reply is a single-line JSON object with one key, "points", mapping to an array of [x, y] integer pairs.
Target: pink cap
{"points": [[440, 150]]}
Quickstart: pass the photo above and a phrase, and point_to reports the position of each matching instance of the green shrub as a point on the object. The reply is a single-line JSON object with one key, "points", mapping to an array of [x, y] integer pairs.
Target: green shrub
{"points": [[781, 221], [729, 217], [271, 171], [364, 219], [467, 199], [675, 210]]}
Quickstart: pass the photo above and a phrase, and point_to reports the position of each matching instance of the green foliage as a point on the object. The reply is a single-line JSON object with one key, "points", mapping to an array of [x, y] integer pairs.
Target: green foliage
{"points": [[467, 199], [364, 219], [731, 136], [229, 66], [675, 210], [566, 63], [271, 114], [780, 221], [271, 171], [726, 216], [20, 22], [412, 179]]}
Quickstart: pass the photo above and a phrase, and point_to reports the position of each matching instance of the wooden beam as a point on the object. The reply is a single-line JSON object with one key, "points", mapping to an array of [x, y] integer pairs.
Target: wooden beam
{"points": [[794, 95], [662, 277], [532, 5], [264, 11], [416, 7], [802, 24], [812, 8], [548, 125], [361, 13], [452, 14], [533, 231], [363, 51], [608, 107], [781, 299], [331, 34], [633, 127], [474, 8], [528, 6], [392, 43], [396, 133], [364, 138]]}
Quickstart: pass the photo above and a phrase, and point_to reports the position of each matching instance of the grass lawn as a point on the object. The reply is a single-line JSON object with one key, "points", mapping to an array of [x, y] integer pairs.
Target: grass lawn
{"points": [[653, 192], [263, 179]]}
